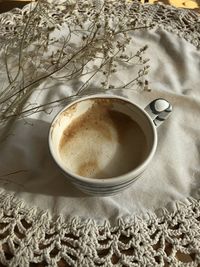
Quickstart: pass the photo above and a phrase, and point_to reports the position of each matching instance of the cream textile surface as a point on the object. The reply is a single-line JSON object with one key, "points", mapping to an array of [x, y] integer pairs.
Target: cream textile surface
{"points": [[30, 236], [172, 175]]}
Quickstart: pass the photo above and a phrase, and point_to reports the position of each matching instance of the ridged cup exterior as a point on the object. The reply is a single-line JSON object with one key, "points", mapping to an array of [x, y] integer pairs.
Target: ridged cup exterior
{"points": [[107, 186]]}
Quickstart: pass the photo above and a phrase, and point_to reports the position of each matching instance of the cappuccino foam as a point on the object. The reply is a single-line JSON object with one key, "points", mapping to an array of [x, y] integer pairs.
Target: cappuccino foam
{"points": [[102, 143]]}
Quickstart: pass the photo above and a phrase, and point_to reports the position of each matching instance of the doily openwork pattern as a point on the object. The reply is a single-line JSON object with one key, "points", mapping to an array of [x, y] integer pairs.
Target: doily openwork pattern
{"points": [[31, 238]]}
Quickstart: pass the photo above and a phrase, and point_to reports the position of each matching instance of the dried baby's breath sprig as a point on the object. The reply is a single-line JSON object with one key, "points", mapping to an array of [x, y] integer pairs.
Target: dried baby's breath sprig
{"points": [[76, 44]]}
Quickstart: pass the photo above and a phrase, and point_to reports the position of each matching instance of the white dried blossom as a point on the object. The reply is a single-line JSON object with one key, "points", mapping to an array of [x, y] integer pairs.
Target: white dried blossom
{"points": [[74, 39]]}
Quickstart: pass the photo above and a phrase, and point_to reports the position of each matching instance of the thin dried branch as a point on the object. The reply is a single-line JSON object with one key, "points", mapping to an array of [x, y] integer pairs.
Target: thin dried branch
{"points": [[76, 41]]}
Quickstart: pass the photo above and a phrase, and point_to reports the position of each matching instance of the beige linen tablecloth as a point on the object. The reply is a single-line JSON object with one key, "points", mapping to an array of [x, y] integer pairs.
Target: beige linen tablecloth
{"points": [[115, 225]]}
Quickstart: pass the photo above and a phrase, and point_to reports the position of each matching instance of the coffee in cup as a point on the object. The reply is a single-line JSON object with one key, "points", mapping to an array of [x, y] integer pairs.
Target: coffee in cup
{"points": [[102, 142]]}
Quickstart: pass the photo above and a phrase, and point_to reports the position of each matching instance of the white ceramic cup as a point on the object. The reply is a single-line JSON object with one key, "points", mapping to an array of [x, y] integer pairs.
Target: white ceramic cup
{"points": [[148, 120]]}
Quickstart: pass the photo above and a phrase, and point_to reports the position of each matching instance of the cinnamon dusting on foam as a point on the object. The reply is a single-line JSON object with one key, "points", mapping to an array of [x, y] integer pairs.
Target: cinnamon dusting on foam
{"points": [[102, 137], [95, 118], [88, 167]]}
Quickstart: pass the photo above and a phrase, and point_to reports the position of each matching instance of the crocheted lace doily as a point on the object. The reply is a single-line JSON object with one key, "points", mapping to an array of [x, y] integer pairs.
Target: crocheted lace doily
{"points": [[31, 237]]}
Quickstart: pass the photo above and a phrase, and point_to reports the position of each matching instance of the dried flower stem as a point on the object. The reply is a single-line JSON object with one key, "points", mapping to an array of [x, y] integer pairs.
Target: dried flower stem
{"points": [[92, 35]]}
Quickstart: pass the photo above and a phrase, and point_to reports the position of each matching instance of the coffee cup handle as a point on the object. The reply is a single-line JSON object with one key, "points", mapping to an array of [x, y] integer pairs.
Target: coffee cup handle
{"points": [[159, 110]]}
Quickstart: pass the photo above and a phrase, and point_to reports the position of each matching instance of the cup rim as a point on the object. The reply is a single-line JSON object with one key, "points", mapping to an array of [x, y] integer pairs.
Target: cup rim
{"points": [[133, 174]]}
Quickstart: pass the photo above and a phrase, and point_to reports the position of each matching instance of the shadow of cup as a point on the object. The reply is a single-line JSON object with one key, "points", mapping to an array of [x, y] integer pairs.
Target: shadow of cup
{"points": [[26, 164]]}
